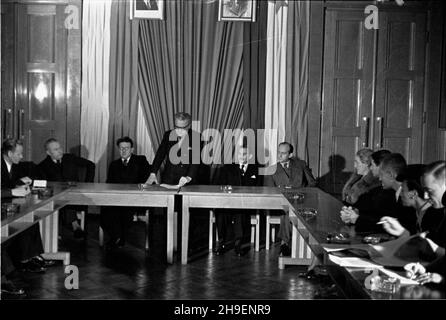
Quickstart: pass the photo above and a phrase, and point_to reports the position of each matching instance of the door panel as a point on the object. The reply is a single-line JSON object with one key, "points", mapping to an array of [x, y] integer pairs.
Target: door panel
{"points": [[41, 100], [400, 83], [7, 68], [347, 95]]}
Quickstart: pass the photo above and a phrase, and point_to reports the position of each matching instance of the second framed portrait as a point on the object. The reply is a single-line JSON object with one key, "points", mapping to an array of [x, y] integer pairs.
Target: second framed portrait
{"points": [[237, 10]]}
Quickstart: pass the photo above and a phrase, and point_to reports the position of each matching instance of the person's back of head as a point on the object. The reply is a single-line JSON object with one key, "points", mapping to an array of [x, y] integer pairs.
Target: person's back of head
{"points": [[437, 169], [379, 155], [411, 176], [394, 163]]}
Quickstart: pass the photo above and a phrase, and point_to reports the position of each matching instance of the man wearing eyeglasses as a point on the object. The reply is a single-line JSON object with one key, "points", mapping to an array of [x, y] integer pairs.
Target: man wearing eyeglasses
{"points": [[128, 168], [182, 157]]}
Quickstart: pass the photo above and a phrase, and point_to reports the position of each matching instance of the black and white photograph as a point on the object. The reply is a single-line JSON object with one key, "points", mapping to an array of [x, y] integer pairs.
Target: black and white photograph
{"points": [[209, 168], [147, 9], [237, 10]]}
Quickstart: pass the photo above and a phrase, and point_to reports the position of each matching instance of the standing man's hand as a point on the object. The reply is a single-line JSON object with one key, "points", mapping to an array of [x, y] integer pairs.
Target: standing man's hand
{"points": [[152, 179], [184, 180]]}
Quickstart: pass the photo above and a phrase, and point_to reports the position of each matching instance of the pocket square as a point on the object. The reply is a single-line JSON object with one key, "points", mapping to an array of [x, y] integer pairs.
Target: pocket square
{"points": [[253, 177]]}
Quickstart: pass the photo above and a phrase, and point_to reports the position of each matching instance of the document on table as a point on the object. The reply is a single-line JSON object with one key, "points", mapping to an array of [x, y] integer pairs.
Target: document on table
{"points": [[170, 186], [353, 262]]}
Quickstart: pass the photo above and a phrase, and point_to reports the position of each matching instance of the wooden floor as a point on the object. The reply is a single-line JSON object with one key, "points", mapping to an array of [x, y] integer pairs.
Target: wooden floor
{"points": [[130, 273]]}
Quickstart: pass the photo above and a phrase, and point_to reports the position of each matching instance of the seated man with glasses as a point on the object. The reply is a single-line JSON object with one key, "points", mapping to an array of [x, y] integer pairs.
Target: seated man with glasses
{"points": [[131, 169]]}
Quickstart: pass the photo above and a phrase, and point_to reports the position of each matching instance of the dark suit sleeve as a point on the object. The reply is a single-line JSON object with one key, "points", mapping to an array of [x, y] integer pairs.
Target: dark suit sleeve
{"points": [[145, 169], [268, 180], [6, 193], [111, 174], [311, 182], [161, 153], [90, 166]]}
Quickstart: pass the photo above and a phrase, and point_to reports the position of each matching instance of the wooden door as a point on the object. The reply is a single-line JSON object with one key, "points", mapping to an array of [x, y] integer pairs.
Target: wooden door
{"points": [[40, 76], [400, 83], [347, 95], [7, 70]]}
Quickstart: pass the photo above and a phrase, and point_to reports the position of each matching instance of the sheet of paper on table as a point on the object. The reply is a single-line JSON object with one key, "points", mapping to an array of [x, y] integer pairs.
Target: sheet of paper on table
{"points": [[353, 262], [170, 186]]}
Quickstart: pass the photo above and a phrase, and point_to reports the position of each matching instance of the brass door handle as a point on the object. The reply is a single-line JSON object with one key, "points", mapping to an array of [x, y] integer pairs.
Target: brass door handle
{"points": [[380, 143], [365, 140], [7, 117]]}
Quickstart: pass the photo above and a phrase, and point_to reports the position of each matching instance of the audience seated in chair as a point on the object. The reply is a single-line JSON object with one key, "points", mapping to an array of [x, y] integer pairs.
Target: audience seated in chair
{"points": [[131, 169], [381, 201], [434, 181], [362, 180], [243, 173], [412, 195], [24, 250], [288, 172], [67, 167]]}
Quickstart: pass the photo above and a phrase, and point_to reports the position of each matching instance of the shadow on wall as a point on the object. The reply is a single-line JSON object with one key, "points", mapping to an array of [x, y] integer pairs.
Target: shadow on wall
{"points": [[80, 151], [334, 180]]}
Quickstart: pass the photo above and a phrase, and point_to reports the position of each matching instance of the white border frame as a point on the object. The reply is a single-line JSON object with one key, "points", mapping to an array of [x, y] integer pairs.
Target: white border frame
{"points": [[251, 19], [146, 14]]}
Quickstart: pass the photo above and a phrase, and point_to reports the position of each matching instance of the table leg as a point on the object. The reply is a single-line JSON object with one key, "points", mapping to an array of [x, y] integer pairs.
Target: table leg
{"points": [[50, 234], [170, 229], [185, 230]]}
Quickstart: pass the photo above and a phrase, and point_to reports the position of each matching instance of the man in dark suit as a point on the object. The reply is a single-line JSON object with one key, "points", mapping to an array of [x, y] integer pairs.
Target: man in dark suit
{"points": [[180, 152], [242, 173], [130, 169], [23, 250], [64, 167], [288, 172], [146, 5]]}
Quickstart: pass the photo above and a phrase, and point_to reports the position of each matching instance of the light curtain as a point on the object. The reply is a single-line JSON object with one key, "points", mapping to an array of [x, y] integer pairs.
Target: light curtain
{"points": [[275, 93], [191, 62], [95, 83], [287, 75]]}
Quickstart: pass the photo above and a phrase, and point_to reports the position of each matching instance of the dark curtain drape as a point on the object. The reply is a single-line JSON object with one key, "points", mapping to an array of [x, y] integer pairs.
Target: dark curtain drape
{"points": [[254, 58], [123, 88], [191, 62]]}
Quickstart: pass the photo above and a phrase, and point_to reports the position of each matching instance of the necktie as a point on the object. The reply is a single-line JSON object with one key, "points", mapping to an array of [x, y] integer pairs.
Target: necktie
{"points": [[125, 162], [242, 171]]}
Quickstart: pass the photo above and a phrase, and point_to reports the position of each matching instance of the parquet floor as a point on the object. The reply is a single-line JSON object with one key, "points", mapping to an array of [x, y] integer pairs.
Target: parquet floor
{"points": [[131, 273]]}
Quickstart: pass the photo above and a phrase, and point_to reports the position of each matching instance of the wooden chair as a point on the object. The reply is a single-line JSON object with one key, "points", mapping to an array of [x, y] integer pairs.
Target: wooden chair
{"points": [[255, 230], [146, 220], [271, 220]]}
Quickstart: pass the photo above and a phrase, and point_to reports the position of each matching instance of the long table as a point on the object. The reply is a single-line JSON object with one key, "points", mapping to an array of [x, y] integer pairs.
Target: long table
{"points": [[314, 230], [213, 197], [33, 210], [309, 234], [45, 212]]}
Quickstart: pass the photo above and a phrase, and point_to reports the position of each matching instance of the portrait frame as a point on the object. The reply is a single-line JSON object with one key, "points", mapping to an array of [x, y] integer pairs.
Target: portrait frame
{"points": [[237, 10], [140, 9]]}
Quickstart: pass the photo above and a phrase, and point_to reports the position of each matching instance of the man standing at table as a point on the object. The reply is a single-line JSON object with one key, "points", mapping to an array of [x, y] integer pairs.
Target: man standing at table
{"points": [[64, 167], [128, 169], [288, 172], [180, 149], [242, 173], [181, 170], [23, 250]]}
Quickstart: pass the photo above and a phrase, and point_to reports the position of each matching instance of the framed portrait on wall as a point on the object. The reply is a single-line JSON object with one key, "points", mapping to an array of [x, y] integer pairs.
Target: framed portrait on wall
{"points": [[237, 10], [147, 9]]}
